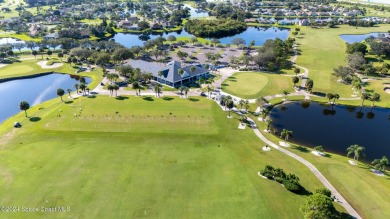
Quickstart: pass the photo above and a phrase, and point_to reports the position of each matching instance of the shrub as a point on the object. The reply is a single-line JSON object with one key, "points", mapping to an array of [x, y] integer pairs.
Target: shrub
{"points": [[292, 185], [279, 179]]}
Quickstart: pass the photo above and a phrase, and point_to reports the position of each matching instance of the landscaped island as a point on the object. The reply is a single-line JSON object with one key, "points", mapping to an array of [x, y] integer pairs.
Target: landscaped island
{"points": [[214, 28]]}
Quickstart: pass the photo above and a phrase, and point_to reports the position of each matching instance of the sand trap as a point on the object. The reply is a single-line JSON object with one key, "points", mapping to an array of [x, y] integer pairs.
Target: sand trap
{"points": [[260, 119], [377, 172], [261, 175], [352, 162], [2, 65], [54, 65], [266, 148], [387, 89], [317, 153], [241, 126], [265, 130], [284, 144]]}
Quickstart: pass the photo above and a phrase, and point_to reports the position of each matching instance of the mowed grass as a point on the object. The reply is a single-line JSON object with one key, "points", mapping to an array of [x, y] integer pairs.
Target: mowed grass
{"points": [[251, 85], [141, 157], [322, 50], [30, 67], [366, 192]]}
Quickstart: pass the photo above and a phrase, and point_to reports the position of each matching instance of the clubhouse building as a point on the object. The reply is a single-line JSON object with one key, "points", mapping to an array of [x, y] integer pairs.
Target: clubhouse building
{"points": [[170, 72]]}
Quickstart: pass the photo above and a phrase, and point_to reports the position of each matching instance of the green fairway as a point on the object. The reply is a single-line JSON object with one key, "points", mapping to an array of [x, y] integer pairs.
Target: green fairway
{"points": [[365, 191], [141, 157], [322, 50], [251, 85]]}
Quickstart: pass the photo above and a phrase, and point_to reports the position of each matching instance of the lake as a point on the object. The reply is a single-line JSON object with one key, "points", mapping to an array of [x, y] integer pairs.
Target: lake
{"points": [[336, 128], [195, 13], [258, 34], [33, 90], [355, 38]]}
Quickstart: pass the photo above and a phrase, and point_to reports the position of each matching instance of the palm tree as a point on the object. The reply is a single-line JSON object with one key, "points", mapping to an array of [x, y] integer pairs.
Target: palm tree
{"points": [[260, 101], [246, 105], [242, 119], [82, 87], [295, 80], [77, 86], [110, 88], [297, 71], [186, 89], [268, 123], [381, 164], [357, 85], [375, 98], [285, 134], [223, 101], [285, 94], [229, 104], [60, 92], [24, 105], [335, 97], [136, 86], [69, 91], [181, 89], [241, 103], [264, 113], [157, 89], [116, 88], [329, 96], [364, 96], [319, 148], [209, 82], [192, 69], [181, 72], [356, 150]]}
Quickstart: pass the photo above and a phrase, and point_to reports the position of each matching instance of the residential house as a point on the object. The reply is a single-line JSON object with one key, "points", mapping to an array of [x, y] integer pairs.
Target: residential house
{"points": [[51, 36]]}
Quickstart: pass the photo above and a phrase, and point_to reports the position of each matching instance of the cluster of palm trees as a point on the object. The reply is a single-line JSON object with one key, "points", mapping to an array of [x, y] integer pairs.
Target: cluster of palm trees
{"points": [[184, 89], [244, 103], [227, 102], [285, 134], [358, 151], [157, 89], [208, 82], [82, 86], [333, 96], [375, 97], [112, 88]]}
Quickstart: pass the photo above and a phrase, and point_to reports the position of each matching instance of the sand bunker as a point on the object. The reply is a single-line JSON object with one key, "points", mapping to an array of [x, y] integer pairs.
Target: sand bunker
{"points": [[43, 64]]}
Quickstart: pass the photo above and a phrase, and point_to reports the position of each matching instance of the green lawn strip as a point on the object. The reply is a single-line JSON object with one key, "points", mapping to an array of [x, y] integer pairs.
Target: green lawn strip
{"points": [[365, 191], [134, 157], [251, 85]]}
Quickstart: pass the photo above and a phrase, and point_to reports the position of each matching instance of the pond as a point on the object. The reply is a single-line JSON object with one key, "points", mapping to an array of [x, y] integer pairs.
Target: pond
{"points": [[355, 38], [258, 34], [196, 13], [33, 90], [335, 127]]}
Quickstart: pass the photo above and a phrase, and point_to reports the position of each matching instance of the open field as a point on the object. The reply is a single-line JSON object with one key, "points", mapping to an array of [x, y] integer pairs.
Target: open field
{"points": [[135, 157], [251, 85], [321, 60], [365, 191]]}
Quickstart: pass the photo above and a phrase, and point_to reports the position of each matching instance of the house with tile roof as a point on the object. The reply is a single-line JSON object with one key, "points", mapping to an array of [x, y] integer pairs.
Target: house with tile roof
{"points": [[170, 72]]}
